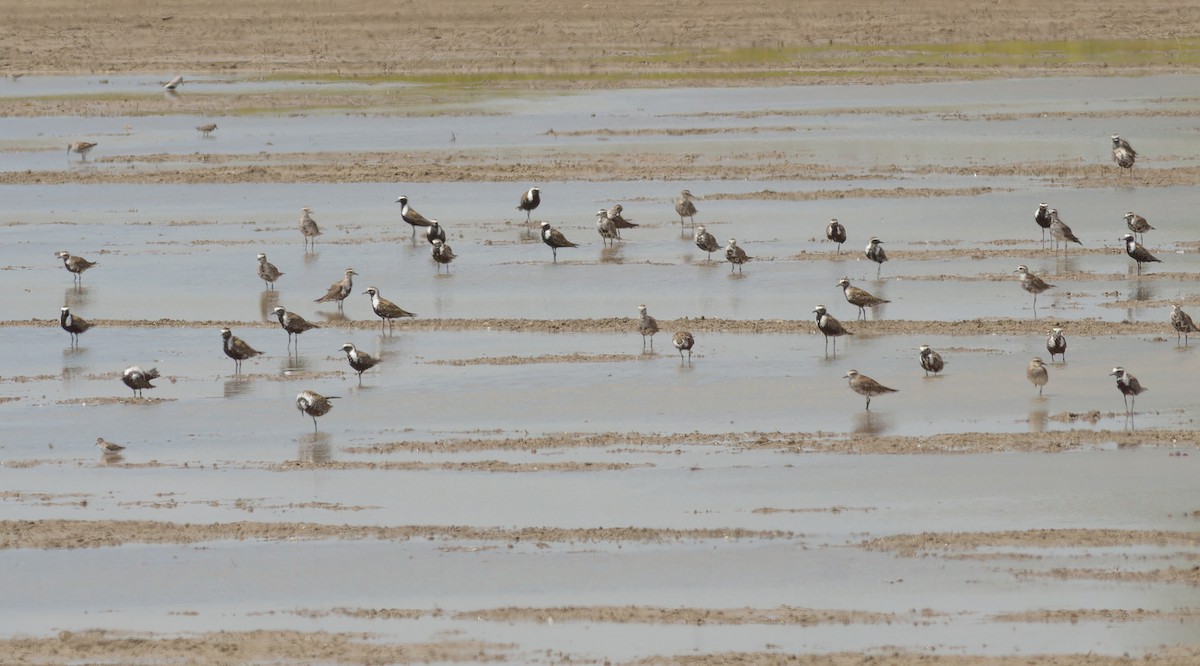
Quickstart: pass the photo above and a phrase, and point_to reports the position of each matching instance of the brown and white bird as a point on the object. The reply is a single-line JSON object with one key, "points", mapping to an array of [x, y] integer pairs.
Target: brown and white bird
{"points": [[442, 254], [1123, 153], [1060, 231], [876, 254], [1129, 387], [1037, 373], [1137, 224], [236, 349], [647, 326], [76, 265], [385, 309], [530, 199], [1182, 323], [1032, 284], [72, 324], [684, 340], [931, 361], [735, 255], [309, 228], [267, 271], [314, 404], [860, 298], [835, 232], [360, 361], [434, 232], [605, 227], [293, 323], [81, 148], [1138, 253], [830, 327], [1056, 344], [207, 130], [618, 219], [685, 207], [107, 446], [338, 291], [706, 241], [138, 379], [865, 386], [555, 239], [411, 216], [1042, 218]]}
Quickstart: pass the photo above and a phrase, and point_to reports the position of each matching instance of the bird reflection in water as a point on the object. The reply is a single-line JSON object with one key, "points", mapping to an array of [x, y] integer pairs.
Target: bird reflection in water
{"points": [[237, 386], [267, 301], [314, 447], [1039, 416], [76, 297], [870, 423]]}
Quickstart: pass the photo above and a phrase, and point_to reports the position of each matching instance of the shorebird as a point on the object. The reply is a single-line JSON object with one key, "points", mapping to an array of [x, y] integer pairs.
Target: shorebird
{"points": [[830, 327], [267, 271], [359, 361], [685, 207], [1137, 224], [1032, 284], [411, 216], [618, 220], [706, 241], [1129, 387], [1138, 253], [442, 254], [314, 404], [77, 265], [647, 326], [1056, 344], [434, 232], [338, 291], [107, 446], [173, 83], [236, 349], [735, 255], [865, 386], [1042, 218], [385, 309], [1037, 373], [1123, 153], [555, 239], [860, 297], [530, 199], [605, 227], [308, 227], [931, 361], [876, 254], [1182, 322], [1061, 232], [72, 324], [138, 379], [836, 233], [207, 130], [683, 340], [293, 323], [80, 147]]}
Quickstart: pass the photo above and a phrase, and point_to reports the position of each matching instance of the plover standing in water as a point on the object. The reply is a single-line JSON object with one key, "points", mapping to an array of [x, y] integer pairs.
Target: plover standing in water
{"points": [[207, 130], [293, 323], [411, 216], [830, 327], [605, 227], [1138, 225], [360, 361], [309, 228], [81, 148], [314, 404], [835, 232], [107, 446], [647, 326], [1129, 387], [1042, 218], [1182, 323], [619, 221], [876, 254], [685, 207], [236, 349], [931, 361], [1138, 253], [1032, 284], [1037, 373], [865, 386], [385, 309], [338, 291], [735, 255], [267, 271], [860, 298], [555, 239], [706, 241], [138, 379], [76, 265], [530, 199], [1056, 344], [434, 232], [72, 324], [1061, 232], [442, 254], [1123, 153], [684, 340]]}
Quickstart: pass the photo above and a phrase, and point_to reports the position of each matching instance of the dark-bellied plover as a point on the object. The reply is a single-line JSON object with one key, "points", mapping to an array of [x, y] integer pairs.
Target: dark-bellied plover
{"points": [[309, 228], [835, 232], [647, 326], [76, 265], [684, 340], [685, 207], [1056, 344], [385, 309], [1037, 373], [1123, 153], [735, 255], [1061, 232], [1042, 218], [138, 379], [435, 232], [830, 327], [314, 404], [1138, 253], [860, 297], [1138, 225], [207, 130], [1032, 284], [530, 199], [236, 349], [1129, 387], [615, 214], [173, 83], [442, 254], [931, 361], [605, 227], [360, 361], [293, 323], [81, 148], [1182, 323], [865, 386], [411, 216], [555, 239], [267, 271], [107, 446], [72, 324], [338, 291], [876, 254], [706, 241]]}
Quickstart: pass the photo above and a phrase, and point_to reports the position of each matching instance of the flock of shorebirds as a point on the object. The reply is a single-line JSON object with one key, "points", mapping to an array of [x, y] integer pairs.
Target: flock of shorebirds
{"points": [[609, 224]]}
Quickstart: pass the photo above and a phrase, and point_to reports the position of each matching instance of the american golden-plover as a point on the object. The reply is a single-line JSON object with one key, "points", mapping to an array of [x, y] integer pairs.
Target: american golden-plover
{"points": [[830, 327], [1061, 232], [835, 232], [338, 291], [138, 379], [207, 130], [107, 446], [735, 255], [411, 216], [81, 148], [442, 254], [1138, 225], [684, 340], [76, 265], [685, 206], [619, 221], [1182, 323], [435, 232], [1032, 284], [1138, 253], [314, 404], [706, 241], [530, 200], [1123, 153], [173, 83], [1037, 373], [1042, 218], [555, 239], [1129, 387], [860, 298], [1056, 344], [865, 386], [236, 349], [267, 271], [931, 361], [293, 323], [647, 326], [360, 361], [72, 324], [309, 229], [876, 253], [605, 227], [385, 309]]}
